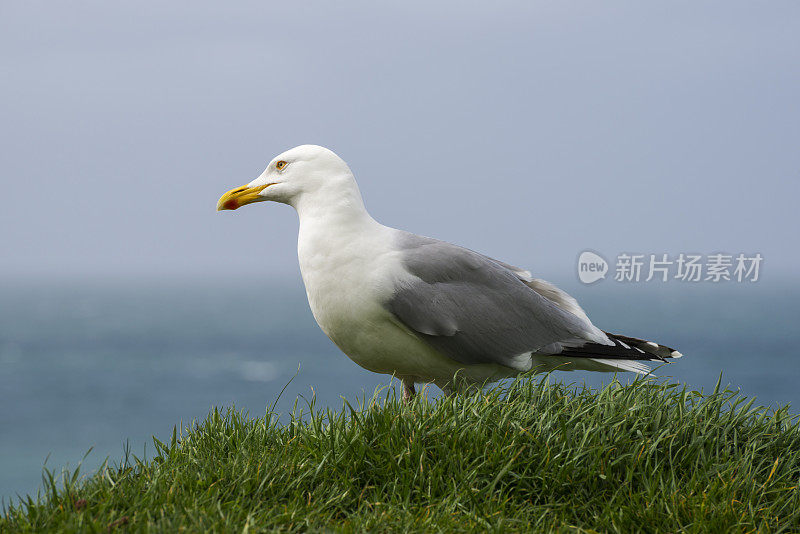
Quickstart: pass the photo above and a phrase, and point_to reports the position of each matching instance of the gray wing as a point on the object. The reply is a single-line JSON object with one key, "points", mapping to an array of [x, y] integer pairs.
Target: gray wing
{"points": [[477, 310]]}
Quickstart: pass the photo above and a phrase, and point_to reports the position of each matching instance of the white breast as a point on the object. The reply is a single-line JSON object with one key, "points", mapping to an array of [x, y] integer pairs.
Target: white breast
{"points": [[345, 274], [347, 279]]}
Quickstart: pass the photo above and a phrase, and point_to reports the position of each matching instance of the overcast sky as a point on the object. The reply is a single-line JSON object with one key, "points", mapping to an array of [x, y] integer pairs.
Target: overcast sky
{"points": [[527, 131]]}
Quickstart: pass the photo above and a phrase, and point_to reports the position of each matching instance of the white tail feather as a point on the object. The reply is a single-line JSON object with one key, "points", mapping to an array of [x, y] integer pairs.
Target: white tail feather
{"points": [[635, 366]]}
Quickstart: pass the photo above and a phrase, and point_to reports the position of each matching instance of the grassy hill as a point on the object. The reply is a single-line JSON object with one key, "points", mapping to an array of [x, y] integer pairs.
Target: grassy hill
{"points": [[647, 457]]}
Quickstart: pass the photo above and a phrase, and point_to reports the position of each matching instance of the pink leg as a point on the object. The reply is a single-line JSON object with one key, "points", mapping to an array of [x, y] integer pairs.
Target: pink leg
{"points": [[408, 391]]}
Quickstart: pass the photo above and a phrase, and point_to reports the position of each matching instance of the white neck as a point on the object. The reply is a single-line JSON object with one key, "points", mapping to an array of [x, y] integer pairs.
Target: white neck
{"points": [[333, 222], [337, 203]]}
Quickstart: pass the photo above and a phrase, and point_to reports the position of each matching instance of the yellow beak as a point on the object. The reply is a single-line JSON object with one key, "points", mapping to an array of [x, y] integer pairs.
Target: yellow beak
{"points": [[238, 197]]}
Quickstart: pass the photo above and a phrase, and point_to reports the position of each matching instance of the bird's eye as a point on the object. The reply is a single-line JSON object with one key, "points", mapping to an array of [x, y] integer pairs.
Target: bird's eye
{"points": [[280, 165]]}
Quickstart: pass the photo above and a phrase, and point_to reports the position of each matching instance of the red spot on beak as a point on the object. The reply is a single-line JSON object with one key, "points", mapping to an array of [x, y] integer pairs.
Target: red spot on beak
{"points": [[231, 204]]}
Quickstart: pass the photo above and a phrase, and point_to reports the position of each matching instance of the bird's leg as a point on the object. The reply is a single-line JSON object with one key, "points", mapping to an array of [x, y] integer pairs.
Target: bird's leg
{"points": [[408, 390]]}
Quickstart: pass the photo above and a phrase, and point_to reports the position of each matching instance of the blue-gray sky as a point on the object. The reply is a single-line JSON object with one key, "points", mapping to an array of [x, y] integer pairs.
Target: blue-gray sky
{"points": [[528, 131]]}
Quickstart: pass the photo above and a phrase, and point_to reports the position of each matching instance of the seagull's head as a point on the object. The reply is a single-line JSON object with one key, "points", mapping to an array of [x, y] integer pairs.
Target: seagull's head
{"points": [[298, 172]]}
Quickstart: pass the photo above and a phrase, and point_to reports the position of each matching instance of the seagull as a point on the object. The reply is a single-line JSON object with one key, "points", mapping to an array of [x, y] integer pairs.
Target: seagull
{"points": [[420, 309]]}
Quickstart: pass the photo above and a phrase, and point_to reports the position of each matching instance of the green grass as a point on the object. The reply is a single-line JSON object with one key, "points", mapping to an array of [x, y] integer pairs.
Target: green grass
{"points": [[647, 457]]}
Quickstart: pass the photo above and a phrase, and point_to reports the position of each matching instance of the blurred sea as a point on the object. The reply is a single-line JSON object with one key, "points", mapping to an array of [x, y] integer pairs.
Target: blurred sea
{"points": [[96, 364]]}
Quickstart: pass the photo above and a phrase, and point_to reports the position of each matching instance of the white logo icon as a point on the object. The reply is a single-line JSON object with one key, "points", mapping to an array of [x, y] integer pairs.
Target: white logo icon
{"points": [[591, 267]]}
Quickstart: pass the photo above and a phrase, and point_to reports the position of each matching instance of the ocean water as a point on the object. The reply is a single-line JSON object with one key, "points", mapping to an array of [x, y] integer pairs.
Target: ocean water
{"points": [[98, 364]]}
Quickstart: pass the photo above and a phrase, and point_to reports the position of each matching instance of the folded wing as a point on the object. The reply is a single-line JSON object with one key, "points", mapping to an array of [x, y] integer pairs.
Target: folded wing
{"points": [[477, 310]]}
